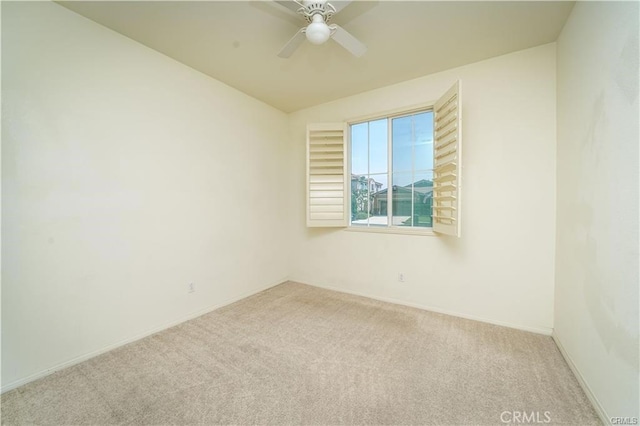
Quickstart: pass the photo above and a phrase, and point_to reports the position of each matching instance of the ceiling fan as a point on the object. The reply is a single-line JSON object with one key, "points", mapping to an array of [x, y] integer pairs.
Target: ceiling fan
{"points": [[318, 14]]}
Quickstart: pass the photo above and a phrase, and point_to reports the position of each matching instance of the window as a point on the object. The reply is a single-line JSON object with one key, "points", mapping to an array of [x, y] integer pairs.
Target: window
{"points": [[392, 171], [398, 172]]}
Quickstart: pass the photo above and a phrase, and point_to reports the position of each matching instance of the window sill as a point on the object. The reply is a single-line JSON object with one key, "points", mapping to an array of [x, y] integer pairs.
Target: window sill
{"points": [[392, 230]]}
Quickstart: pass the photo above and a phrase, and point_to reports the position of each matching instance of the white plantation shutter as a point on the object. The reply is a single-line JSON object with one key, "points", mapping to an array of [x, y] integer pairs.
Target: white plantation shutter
{"points": [[327, 175], [446, 163]]}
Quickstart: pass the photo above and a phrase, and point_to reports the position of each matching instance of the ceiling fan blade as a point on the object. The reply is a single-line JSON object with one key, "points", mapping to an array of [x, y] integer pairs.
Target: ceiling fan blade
{"points": [[292, 44], [290, 4], [339, 5], [349, 42]]}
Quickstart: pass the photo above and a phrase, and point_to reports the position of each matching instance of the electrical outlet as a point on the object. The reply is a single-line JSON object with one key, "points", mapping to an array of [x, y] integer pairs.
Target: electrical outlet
{"points": [[192, 288], [401, 277]]}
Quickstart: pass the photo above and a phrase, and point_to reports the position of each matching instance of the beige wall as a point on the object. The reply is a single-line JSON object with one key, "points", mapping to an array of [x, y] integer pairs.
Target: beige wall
{"points": [[125, 176], [502, 269], [596, 311]]}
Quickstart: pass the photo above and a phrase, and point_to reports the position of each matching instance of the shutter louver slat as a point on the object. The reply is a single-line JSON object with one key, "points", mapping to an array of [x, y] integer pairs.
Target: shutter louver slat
{"points": [[326, 201], [327, 149], [447, 156], [326, 179], [328, 219], [326, 186], [326, 194], [326, 175]]}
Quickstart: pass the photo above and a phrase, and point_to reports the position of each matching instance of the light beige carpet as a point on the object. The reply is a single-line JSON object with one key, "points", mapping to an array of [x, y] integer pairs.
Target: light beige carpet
{"points": [[296, 354]]}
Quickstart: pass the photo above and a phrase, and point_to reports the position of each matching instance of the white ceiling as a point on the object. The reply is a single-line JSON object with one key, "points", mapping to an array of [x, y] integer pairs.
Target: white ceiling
{"points": [[236, 42]]}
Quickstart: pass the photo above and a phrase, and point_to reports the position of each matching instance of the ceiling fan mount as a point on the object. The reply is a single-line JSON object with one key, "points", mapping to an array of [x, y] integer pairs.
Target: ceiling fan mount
{"points": [[310, 9], [318, 14]]}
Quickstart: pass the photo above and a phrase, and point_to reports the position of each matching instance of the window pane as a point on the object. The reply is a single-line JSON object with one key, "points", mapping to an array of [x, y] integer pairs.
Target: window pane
{"points": [[378, 213], [359, 148], [402, 199], [359, 200], [378, 147], [423, 151], [402, 141], [402, 178], [412, 199], [422, 199], [369, 200]]}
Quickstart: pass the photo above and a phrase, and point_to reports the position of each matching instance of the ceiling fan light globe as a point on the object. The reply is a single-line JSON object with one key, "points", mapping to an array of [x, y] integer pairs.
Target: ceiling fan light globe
{"points": [[318, 32]]}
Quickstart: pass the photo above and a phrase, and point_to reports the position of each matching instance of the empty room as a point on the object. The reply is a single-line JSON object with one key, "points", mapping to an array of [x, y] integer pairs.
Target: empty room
{"points": [[348, 212]]}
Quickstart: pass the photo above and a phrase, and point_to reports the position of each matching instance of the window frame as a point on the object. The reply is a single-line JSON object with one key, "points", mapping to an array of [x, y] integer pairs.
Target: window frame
{"points": [[388, 115]]}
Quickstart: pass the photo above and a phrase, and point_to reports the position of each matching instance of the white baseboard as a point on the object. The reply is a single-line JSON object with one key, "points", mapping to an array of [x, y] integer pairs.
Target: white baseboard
{"points": [[604, 417], [131, 339], [538, 330]]}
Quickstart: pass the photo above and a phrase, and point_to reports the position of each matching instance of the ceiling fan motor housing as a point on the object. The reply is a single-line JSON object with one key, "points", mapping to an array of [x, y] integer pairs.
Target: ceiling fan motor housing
{"points": [[322, 8]]}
